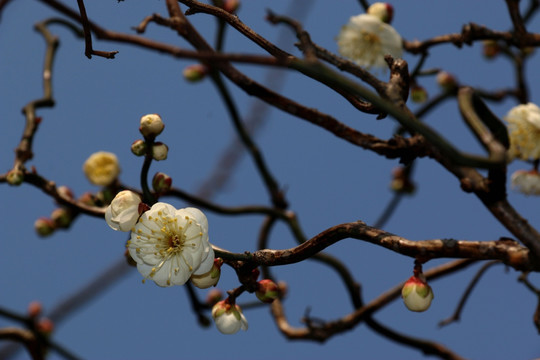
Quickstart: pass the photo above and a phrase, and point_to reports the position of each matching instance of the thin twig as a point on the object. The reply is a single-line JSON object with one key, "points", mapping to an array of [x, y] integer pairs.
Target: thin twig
{"points": [[89, 51]]}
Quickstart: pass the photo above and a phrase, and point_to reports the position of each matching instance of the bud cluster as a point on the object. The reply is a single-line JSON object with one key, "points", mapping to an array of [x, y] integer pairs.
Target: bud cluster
{"points": [[151, 126]]}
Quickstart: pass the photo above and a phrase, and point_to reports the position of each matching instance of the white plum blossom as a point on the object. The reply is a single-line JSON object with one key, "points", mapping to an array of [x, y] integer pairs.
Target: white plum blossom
{"points": [[170, 245], [524, 131], [228, 317], [417, 294], [151, 125], [123, 212], [527, 182], [365, 39], [101, 168]]}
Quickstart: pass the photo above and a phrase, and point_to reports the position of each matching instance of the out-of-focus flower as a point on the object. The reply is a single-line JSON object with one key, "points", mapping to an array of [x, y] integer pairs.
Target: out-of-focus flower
{"points": [[382, 11], [45, 326], [229, 318], [138, 147], [231, 5], [195, 73], [524, 131], [34, 309], [123, 212], [267, 291], [417, 294], [214, 296], [490, 49], [151, 125], [170, 245], [366, 40], [210, 278], [418, 94], [160, 151], [527, 182], [44, 226], [101, 168], [87, 199]]}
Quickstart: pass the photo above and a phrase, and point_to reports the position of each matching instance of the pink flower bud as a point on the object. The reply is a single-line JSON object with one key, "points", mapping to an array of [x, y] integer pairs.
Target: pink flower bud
{"points": [[195, 73], [490, 49], [45, 326], [61, 218], [161, 183], [267, 291], [214, 296], [417, 294], [231, 5], [34, 309], [228, 318]]}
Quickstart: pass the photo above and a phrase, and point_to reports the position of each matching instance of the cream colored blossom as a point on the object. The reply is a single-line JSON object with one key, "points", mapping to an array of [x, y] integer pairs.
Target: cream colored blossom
{"points": [[524, 131], [527, 182], [366, 40], [417, 294], [170, 245], [151, 125], [382, 11], [228, 318], [123, 212], [101, 168]]}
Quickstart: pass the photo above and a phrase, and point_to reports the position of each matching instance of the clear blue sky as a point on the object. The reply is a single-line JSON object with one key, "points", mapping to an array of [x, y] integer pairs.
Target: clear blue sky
{"points": [[328, 181]]}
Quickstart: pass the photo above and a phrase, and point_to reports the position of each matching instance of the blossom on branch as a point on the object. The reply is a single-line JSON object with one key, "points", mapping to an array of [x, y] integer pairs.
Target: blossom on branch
{"points": [[365, 39], [417, 294], [123, 212], [228, 317], [101, 168], [527, 182], [170, 245], [524, 127]]}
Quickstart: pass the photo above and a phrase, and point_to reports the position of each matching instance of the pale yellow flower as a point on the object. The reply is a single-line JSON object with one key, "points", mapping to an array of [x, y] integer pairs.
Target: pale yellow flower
{"points": [[527, 182], [365, 39], [101, 168], [524, 131]]}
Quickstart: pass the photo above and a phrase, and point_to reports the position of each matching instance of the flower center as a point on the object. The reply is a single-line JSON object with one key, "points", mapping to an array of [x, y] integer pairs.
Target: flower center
{"points": [[174, 243]]}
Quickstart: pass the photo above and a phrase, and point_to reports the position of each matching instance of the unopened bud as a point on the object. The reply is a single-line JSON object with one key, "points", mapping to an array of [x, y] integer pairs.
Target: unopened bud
{"points": [[160, 151], [45, 326], [382, 11], [418, 94], [417, 294], [401, 182], [210, 278], [44, 226], [88, 199], [490, 49], [138, 148], [447, 81], [15, 177], [151, 125], [161, 183], [61, 218], [34, 309], [267, 291], [194, 73], [231, 5]]}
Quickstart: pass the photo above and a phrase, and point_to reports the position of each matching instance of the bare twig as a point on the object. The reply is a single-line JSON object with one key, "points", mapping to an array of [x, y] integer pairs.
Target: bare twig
{"points": [[89, 51]]}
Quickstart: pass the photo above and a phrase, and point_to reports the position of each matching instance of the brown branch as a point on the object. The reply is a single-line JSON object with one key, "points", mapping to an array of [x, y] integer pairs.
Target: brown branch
{"points": [[517, 20], [25, 337], [89, 51], [457, 313], [505, 250]]}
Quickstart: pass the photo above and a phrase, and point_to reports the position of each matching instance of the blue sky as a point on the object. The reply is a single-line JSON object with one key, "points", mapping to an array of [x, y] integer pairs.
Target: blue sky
{"points": [[327, 181]]}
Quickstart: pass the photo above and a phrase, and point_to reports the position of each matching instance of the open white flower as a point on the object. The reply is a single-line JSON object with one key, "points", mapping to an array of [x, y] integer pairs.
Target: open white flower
{"points": [[170, 245], [524, 126], [123, 212], [365, 39], [527, 182], [228, 318]]}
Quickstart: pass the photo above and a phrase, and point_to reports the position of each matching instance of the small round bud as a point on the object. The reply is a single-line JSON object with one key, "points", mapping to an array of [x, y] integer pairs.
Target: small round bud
{"points": [[151, 125], [401, 182], [447, 81], [15, 177], [418, 94], [382, 11], [213, 297], [231, 5], [61, 218], [490, 49], [160, 151], [34, 309], [65, 192], [44, 226], [228, 317], [88, 199], [267, 291], [161, 183], [138, 147], [45, 326], [195, 73], [417, 294]]}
